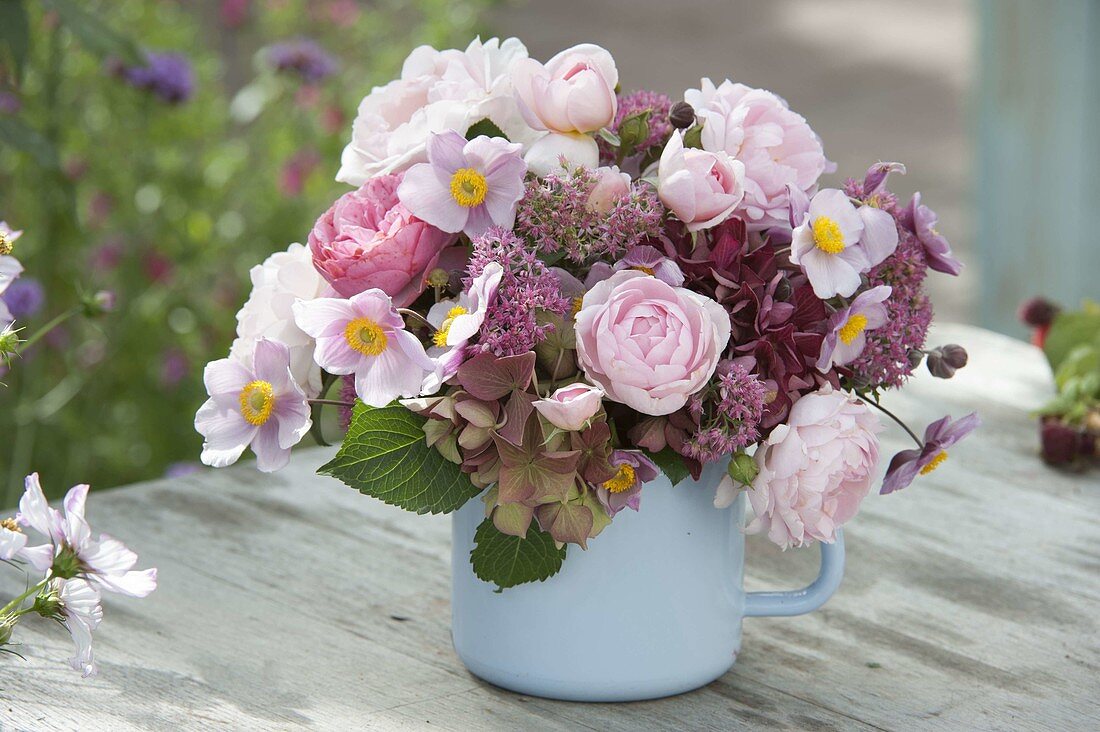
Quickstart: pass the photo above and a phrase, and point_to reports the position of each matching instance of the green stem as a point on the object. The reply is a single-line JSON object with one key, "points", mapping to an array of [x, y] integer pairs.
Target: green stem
{"points": [[331, 402], [24, 345], [892, 416], [19, 600], [417, 317]]}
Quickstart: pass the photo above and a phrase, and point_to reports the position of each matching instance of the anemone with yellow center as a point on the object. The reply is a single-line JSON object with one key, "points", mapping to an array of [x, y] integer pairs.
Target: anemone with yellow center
{"points": [[851, 329], [257, 402], [934, 462], [10, 524], [827, 235], [365, 336], [623, 480], [7, 243], [444, 329], [468, 187]]}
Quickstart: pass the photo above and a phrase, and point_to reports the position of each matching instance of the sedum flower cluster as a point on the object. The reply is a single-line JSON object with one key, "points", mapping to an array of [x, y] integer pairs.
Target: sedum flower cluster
{"points": [[576, 291]]}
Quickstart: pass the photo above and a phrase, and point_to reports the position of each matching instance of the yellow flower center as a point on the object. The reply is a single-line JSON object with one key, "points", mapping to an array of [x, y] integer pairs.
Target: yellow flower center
{"points": [[468, 187], [440, 337], [366, 336], [257, 401], [647, 270], [578, 302], [852, 328], [6, 244], [936, 462], [828, 236], [623, 480], [9, 523]]}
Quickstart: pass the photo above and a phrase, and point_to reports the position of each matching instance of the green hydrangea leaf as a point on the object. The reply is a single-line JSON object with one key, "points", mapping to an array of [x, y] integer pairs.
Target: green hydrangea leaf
{"points": [[671, 464], [507, 561], [385, 455]]}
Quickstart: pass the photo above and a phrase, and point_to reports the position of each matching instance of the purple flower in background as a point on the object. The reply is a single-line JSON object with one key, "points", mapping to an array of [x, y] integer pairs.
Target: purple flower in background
{"points": [[174, 367], [624, 489], [940, 435], [302, 57], [181, 469], [24, 298], [168, 76], [9, 103]]}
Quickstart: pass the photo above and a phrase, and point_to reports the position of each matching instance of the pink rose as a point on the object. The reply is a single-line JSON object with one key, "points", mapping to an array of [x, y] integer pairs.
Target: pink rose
{"points": [[776, 145], [702, 188], [368, 239], [648, 344], [815, 470], [570, 407], [611, 185], [573, 92]]}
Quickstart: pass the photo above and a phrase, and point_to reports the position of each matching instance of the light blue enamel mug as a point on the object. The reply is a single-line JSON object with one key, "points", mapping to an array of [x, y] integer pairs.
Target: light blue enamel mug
{"points": [[652, 608]]}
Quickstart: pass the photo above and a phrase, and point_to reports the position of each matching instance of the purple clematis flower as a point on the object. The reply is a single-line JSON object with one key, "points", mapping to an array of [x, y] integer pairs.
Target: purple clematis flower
{"points": [[922, 221], [847, 334], [625, 488], [940, 435], [303, 57]]}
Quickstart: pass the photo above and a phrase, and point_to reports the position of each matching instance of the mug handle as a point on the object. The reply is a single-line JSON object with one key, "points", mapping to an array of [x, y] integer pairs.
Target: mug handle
{"points": [[808, 599]]}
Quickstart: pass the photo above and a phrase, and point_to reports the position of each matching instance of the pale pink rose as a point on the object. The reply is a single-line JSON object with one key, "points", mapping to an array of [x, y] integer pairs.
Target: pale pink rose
{"points": [[776, 145], [437, 91], [611, 185], [368, 239], [702, 188], [573, 92], [647, 344], [570, 407], [815, 469]]}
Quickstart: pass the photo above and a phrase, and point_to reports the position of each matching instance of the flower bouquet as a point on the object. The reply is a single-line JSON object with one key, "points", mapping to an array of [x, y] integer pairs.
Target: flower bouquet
{"points": [[566, 300]]}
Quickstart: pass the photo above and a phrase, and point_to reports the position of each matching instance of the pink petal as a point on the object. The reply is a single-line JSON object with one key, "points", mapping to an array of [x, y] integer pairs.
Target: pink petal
{"points": [[325, 316], [270, 455], [426, 192], [225, 376]]}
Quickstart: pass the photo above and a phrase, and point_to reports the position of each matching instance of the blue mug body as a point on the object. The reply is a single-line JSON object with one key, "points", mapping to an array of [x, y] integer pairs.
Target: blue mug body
{"points": [[652, 608]]}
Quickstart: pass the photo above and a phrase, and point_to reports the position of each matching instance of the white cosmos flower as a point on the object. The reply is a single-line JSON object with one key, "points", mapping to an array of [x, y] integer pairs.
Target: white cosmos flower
{"points": [[105, 562], [277, 284], [81, 613]]}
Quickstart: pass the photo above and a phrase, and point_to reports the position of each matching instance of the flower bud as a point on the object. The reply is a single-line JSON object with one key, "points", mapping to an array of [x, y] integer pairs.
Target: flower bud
{"points": [[915, 356], [682, 115], [743, 469], [9, 343], [1061, 443], [7, 624], [439, 277], [100, 303], [48, 604], [945, 360], [634, 130], [1038, 312]]}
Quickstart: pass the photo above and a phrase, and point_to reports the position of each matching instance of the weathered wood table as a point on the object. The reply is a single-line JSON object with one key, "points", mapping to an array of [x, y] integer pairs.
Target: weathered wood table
{"points": [[971, 601]]}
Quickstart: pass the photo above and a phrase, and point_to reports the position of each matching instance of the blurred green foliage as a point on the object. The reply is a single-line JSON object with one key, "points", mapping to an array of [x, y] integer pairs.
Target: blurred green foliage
{"points": [[169, 206]]}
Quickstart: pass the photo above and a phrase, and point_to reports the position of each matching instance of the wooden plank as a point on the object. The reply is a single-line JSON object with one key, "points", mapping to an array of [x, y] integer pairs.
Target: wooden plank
{"points": [[290, 601]]}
